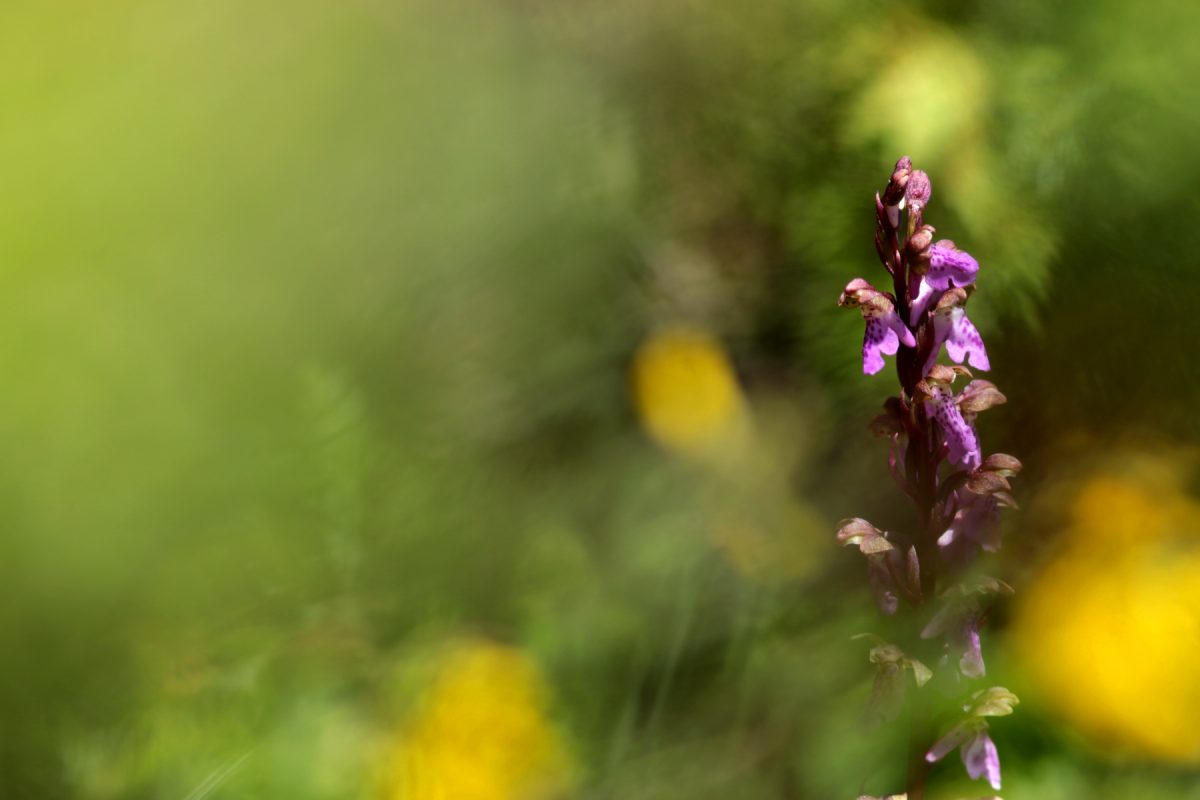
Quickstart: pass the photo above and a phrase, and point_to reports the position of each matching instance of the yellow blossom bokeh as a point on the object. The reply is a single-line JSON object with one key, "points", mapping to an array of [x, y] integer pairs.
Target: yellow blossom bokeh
{"points": [[481, 732], [685, 390], [1109, 635]]}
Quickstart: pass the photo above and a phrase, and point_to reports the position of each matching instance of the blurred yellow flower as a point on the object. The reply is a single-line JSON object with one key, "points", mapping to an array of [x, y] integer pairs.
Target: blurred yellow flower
{"points": [[685, 390], [1110, 633], [481, 733]]}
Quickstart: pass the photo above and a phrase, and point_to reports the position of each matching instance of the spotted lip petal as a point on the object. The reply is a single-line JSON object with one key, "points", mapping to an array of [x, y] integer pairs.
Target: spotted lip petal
{"points": [[884, 335], [981, 759], [952, 328], [963, 341], [877, 340], [958, 434], [885, 330]]}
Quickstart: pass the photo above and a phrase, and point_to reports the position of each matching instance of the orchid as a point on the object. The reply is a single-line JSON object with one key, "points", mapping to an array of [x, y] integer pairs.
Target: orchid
{"points": [[978, 751], [970, 735], [885, 330], [960, 336], [946, 267], [936, 457], [958, 435]]}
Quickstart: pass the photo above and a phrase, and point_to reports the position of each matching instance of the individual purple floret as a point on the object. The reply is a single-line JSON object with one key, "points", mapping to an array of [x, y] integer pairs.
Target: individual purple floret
{"points": [[977, 748], [959, 436], [976, 524], [885, 330], [958, 621], [948, 267], [970, 735], [963, 342], [981, 759]]}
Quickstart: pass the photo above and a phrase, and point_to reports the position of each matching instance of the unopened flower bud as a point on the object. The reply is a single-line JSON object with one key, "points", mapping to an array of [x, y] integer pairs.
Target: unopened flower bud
{"points": [[917, 190], [894, 192], [919, 242], [992, 702]]}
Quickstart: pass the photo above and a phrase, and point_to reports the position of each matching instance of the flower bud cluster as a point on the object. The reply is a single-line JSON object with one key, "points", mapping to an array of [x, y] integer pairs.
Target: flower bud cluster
{"points": [[935, 456]]}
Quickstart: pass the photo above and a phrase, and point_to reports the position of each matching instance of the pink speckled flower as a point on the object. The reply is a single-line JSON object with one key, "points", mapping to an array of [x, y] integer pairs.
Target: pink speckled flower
{"points": [[960, 336], [948, 267], [958, 435], [962, 339], [976, 747], [885, 330]]}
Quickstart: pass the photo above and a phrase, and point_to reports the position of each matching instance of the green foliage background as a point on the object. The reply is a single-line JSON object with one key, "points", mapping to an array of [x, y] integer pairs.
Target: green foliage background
{"points": [[317, 320]]}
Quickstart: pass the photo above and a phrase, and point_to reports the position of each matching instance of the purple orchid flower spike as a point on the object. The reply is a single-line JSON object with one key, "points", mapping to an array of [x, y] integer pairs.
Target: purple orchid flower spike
{"points": [[935, 456], [959, 436], [885, 330], [948, 267]]}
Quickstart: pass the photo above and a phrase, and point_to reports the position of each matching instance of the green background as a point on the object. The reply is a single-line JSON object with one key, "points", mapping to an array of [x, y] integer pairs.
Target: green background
{"points": [[317, 317]]}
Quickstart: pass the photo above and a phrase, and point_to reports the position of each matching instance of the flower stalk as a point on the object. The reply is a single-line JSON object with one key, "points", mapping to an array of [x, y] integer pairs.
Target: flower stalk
{"points": [[936, 458]]}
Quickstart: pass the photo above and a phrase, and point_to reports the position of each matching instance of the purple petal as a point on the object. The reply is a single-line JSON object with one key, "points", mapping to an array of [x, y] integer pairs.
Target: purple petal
{"points": [[894, 322], [976, 524], [964, 342], [925, 295], [950, 740], [981, 759], [878, 339], [884, 334], [959, 436], [971, 661], [949, 265]]}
